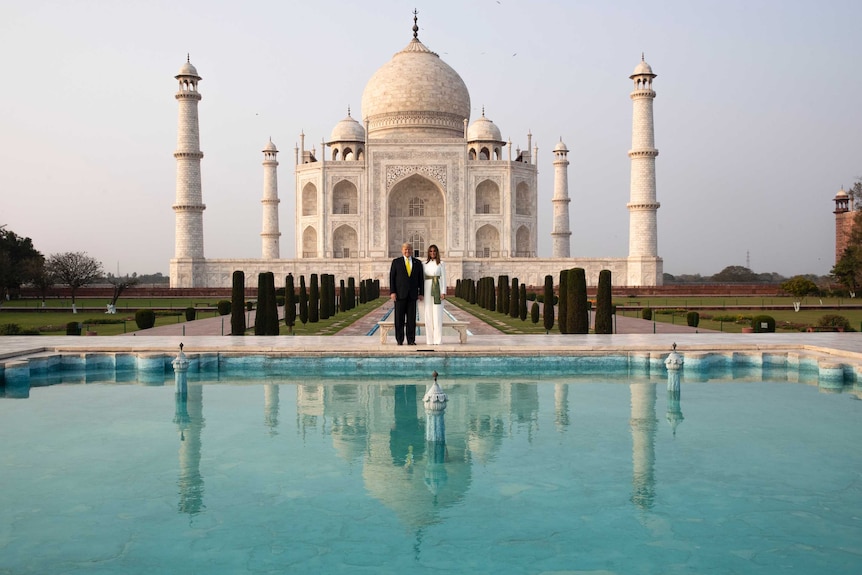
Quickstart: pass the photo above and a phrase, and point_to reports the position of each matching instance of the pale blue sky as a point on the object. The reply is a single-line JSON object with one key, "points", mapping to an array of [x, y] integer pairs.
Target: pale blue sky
{"points": [[757, 115]]}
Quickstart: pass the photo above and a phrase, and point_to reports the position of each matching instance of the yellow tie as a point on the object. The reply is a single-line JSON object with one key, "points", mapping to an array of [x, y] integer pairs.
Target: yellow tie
{"points": [[407, 262]]}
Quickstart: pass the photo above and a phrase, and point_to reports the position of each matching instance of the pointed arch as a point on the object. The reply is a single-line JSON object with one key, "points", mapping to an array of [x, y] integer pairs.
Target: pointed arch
{"points": [[487, 197], [417, 209], [345, 198], [523, 247], [309, 242], [309, 200], [487, 242], [523, 200], [345, 242]]}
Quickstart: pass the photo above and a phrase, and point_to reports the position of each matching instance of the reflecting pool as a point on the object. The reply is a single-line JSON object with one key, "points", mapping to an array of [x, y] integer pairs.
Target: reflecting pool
{"points": [[587, 475]]}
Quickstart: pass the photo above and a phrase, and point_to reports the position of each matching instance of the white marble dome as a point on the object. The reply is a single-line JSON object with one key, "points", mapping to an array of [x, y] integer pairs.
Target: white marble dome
{"points": [[484, 130], [188, 70], [269, 147], [416, 94], [348, 130], [643, 69]]}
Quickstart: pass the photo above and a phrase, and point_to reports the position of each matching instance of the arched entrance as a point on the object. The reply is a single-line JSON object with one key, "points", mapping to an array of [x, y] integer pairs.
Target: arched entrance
{"points": [[416, 214]]}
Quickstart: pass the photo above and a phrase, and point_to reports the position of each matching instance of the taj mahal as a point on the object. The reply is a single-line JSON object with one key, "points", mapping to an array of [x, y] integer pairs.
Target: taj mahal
{"points": [[416, 169]]}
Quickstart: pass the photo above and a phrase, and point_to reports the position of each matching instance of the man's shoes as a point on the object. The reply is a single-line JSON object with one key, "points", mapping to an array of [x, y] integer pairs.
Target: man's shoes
{"points": [[411, 343], [400, 343]]}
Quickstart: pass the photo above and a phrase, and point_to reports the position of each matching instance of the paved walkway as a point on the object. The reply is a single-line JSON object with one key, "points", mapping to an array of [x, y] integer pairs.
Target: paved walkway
{"points": [[221, 325]]}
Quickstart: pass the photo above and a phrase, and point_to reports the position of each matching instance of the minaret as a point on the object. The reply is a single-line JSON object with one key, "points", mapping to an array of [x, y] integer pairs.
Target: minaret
{"points": [[561, 234], [269, 232], [644, 265], [844, 217], [189, 207]]}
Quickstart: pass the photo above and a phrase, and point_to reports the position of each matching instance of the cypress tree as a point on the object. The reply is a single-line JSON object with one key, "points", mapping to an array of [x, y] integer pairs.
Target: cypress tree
{"points": [[289, 303], [492, 290], [513, 299], [548, 305], [260, 315], [237, 306], [351, 292], [303, 301], [342, 301], [604, 305], [271, 325], [363, 293], [534, 312], [324, 296], [502, 300], [314, 300], [522, 303], [564, 301], [579, 318]]}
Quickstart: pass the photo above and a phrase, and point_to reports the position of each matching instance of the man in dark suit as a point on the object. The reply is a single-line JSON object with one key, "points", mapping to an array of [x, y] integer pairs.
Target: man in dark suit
{"points": [[406, 286]]}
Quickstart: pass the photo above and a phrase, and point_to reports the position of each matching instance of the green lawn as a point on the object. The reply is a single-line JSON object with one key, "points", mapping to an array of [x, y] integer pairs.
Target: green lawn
{"points": [[53, 322]]}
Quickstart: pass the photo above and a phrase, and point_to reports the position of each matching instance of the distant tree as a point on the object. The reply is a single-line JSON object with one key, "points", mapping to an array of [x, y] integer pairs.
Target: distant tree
{"points": [[735, 274], [800, 286], [855, 193], [74, 269], [40, 276], [18, 261], [324, 296], [120, 284], [548, 304]]}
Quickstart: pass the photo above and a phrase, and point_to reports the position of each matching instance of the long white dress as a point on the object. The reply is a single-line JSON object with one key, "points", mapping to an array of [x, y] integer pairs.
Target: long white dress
{"points": [[433, 312]]}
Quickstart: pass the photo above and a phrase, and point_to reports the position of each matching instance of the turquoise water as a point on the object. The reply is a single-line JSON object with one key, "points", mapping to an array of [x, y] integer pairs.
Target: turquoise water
{"points": [[592, 475]]}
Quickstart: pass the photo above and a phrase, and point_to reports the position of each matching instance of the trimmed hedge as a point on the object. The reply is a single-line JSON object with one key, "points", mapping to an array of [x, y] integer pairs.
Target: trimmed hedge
{"points": [[692, 318], [223, 307], [763, 324], [144, 318]]}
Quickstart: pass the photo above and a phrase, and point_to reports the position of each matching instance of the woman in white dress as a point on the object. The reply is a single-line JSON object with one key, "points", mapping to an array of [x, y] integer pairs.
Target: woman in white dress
{"points": [[435, 293]]}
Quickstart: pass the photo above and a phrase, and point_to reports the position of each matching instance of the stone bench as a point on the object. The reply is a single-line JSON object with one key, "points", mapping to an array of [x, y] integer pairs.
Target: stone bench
{"points": [[459, 326]]}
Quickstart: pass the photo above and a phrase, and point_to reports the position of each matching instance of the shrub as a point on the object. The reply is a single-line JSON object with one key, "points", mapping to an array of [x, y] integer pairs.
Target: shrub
{"points": [[692, 318], [249, 305], [763, 324], [534, 312], [646, 313], [223, 307], [279, 300], [190, 314], [10, 329], [73, 328], [578, 320], [834, 320], [144, 318]]}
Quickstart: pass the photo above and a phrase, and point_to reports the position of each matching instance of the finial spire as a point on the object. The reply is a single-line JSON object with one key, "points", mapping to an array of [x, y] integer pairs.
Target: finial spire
{"points": [[415, 25], [348, 110], [483, 110], [188, 58], [642, 56]]}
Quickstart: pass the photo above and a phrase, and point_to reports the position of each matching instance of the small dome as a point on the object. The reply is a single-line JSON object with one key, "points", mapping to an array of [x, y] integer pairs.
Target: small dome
{"points": [[841, 193], [642, 69], [347, 130], [188, 70], [484, 130], [560, 147], [270, 147]]}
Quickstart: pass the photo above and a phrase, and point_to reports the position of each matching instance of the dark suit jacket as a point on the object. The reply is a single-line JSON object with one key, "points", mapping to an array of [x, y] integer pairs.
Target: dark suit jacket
{"points": [[402, 285]]}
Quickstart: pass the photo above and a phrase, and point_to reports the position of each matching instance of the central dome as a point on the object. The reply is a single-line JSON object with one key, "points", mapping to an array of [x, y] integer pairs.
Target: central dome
{"points": [[416, 94]]}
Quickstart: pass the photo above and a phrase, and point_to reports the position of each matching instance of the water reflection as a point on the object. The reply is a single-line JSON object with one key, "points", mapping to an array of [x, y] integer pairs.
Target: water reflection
{"points": [[188, 416], [643, 425]]}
